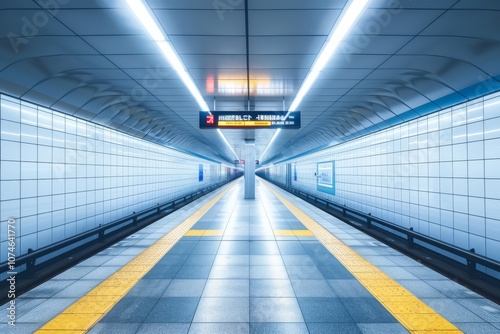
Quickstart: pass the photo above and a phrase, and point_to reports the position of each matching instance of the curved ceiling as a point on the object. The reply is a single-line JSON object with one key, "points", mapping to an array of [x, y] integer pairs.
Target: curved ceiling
{"points": [[404, 58]]}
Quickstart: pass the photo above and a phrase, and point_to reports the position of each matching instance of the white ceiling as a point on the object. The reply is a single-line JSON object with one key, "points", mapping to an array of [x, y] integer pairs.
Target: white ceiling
{"points": [[93, 60]]}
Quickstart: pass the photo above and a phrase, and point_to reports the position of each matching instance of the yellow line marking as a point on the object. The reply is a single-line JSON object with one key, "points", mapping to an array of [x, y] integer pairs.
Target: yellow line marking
{"points": [[213, 233], [293, 233], [88, 310], [410, 311], [204, 233]]}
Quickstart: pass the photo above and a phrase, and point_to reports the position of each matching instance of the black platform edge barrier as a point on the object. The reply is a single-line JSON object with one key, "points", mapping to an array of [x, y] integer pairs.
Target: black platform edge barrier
{"points": [[454, 262], [30, 273]]}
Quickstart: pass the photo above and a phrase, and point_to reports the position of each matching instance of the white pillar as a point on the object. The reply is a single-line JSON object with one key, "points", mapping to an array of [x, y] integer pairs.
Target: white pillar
{"points": [[249, 169]]}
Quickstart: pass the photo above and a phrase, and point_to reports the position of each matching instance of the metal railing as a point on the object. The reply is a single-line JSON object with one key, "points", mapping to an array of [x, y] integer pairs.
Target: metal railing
{"points": [[471, 258], [99, 233]]}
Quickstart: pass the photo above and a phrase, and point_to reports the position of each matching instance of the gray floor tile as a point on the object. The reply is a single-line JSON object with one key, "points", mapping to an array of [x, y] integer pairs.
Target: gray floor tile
{"points": [[335, 272], [46, 310], [348, 288], [324, 310], [291, 248], [206, 247], [199, 260], [377, 328], [334, 328], [78, 289], [232, 260], [222, 310], [23, 305], [278, 328], [119, 260], [298, 260], [234, 248], [113, 328], [173, 260], [312, 288], [164, 328], [421, 289], [48, 289], [264, 248], [149, 288], [275, 310], [304, 272], [227, 288], [222, 272], [185, 288], [193, 272], [378, 260], [451, 310], [485, 309], [219, 328], [266, 260], [268, 272], [96, 260], [101, 273], [366, 310], [271, 288], [398, 273], [452, 289], [74, 273], [22, 328], [478, 328], [130, 310], [178, 309], [162, 272]]}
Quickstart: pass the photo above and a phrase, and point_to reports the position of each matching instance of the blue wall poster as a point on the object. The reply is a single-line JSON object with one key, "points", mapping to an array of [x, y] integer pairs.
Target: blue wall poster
{"points": [[295, 171], [200, 173], [325, 176]]}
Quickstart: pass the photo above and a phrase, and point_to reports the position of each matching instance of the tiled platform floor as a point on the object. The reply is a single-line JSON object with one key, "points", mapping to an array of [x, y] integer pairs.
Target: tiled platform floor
{"points": [[243, 277]]}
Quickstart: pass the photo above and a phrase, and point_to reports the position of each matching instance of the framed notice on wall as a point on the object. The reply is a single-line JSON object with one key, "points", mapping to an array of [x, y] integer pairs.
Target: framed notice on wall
{"points": [[325, 177], [200, 173]]}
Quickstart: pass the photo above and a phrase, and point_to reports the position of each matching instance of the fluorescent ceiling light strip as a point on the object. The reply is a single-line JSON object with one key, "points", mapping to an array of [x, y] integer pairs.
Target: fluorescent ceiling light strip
{"points": [[225, 140], [336, 36], [144, 16], [270, 143], [146, 19], [338, 33]]}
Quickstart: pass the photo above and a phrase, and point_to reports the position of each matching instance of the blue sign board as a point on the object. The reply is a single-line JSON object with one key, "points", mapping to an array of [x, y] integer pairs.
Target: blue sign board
{"points": [[200, 173], [325, 177]]}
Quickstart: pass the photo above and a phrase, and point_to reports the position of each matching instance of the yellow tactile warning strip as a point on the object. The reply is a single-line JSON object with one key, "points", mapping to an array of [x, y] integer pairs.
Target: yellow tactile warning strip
{"points": [[293, 233], [410, 311], [204, 233], [88, 310]]}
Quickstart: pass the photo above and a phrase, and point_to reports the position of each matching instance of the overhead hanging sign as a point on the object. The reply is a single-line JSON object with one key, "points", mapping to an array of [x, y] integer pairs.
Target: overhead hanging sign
{"points": [[250, 120]]}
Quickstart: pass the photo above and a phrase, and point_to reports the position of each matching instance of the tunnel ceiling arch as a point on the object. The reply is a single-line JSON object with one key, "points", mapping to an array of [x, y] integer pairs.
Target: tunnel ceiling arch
{"points": [[404, 58]]}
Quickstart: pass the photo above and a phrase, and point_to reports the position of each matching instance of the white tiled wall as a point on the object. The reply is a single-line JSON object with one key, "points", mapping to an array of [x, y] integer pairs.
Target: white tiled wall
{"points": [[439, 174], [61, 176]]}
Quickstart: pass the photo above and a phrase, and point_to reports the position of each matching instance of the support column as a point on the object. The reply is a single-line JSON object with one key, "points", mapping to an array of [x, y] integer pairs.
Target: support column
{"points": [[249, 168]]}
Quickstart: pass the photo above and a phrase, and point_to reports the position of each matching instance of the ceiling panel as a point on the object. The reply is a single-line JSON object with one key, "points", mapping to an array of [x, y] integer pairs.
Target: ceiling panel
{"points": [[201, 22], [468, 23], [119, 45], [99, 21], [286, 45], [209, 45], [291, 22], [297, 4], [93, 60]]}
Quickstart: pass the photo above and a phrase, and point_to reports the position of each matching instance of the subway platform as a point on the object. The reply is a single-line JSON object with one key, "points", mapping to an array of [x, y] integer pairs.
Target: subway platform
{"points": [[271, 265]]}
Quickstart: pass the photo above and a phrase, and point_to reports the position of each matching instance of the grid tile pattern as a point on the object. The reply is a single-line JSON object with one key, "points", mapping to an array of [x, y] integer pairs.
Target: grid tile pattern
{"points": [[61, 176], [255, 304], [439, 174]]}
